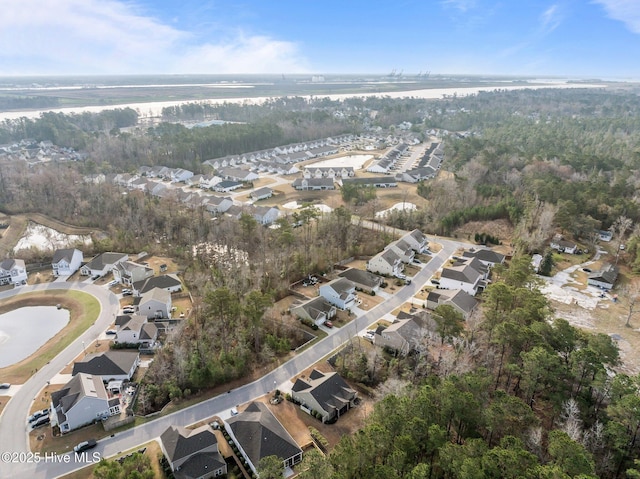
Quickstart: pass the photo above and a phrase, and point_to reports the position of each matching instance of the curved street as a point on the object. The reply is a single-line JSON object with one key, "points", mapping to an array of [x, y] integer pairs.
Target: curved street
{"points": [[13, 419]]}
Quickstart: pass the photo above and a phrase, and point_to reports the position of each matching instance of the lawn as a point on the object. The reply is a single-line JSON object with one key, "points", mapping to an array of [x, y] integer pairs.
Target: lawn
{"points": [[84, 310]]}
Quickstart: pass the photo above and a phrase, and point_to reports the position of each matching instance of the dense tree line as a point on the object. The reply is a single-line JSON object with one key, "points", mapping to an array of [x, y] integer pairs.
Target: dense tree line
{"points": [[27, 102]]}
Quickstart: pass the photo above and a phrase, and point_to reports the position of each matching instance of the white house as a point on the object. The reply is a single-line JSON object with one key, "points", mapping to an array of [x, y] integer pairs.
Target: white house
{"points": [[155, 304], [317, 310], [13, 271], [168, 282], [66, 261], [261, 194], [340, 292], [103, 264], [180, 175], [403, 250], [265, 215], [416, 240], [605, 278], [386, 263], [468, 276], [137, 330], [128, 272], [313, 184], [217, 204], [83, 400]]}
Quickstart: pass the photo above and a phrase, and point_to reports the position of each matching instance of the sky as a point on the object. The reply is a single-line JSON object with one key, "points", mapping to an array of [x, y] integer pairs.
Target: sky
{"points": [[566, 38]]}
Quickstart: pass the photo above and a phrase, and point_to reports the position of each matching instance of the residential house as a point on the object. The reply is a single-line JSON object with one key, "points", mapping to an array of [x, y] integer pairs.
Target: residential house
{"points": [[325, 393], [259, 434], [112, 365], [192, 453], [227, 185], [168, 282], [238, 174], [403, 250], [605, 278], [155, 304], [265, 215], [378, 182], [128, 272], [340, 292], [261, 194], [417, 174], [605, 235], [417, 240], [13, 271], [313, 184], [404, 334], [386, 263], [83, 400], [66, 261], [180, 175], [486, 256], [103, 264], [317, 310], [563, 246], [363, 280], [468, 276], [218, 204], [460, 300], [137, 330]]}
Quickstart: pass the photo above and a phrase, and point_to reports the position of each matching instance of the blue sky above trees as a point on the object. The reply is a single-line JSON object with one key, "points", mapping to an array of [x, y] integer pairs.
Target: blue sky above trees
{"points": [[582, 38]]}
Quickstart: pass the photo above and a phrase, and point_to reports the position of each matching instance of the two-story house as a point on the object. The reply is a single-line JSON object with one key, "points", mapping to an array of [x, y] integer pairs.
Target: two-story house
{"points": [[386, 263], [340, 292], [66, 261], [128, 272], [13, 271], [83, 400]]}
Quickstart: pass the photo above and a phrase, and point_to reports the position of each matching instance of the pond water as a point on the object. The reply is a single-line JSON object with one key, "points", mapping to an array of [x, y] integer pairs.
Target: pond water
{"points": [[24, 330]]}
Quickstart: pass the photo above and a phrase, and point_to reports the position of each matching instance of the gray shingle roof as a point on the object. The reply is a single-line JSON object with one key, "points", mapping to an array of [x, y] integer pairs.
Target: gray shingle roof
{"points": [[260, 434], [179, 442], [110, 363]]}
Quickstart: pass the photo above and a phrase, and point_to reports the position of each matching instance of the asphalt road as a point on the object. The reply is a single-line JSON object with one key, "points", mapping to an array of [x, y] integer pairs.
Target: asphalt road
{"points": [[13, 424]]}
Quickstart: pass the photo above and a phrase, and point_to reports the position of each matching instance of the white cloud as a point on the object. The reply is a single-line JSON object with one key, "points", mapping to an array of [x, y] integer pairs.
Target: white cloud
{"points": [[551, 19], [461, 5], [114, 37], [626, 11]]}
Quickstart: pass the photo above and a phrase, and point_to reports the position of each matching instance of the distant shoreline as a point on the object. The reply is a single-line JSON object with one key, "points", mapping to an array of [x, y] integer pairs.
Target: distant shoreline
{"points": [[154, 109]]}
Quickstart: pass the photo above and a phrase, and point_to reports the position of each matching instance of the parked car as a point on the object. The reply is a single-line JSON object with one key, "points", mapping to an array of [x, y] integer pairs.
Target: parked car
{"points": [[328, 324], [435, 281], [586, 270], [85, 445], [417, 261], [37, 415], [5, 385], [234, 411], [128, 310], [112, 283], [127, 293], [111, 332], [43, 421], [95, 276], [369, 335]]}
